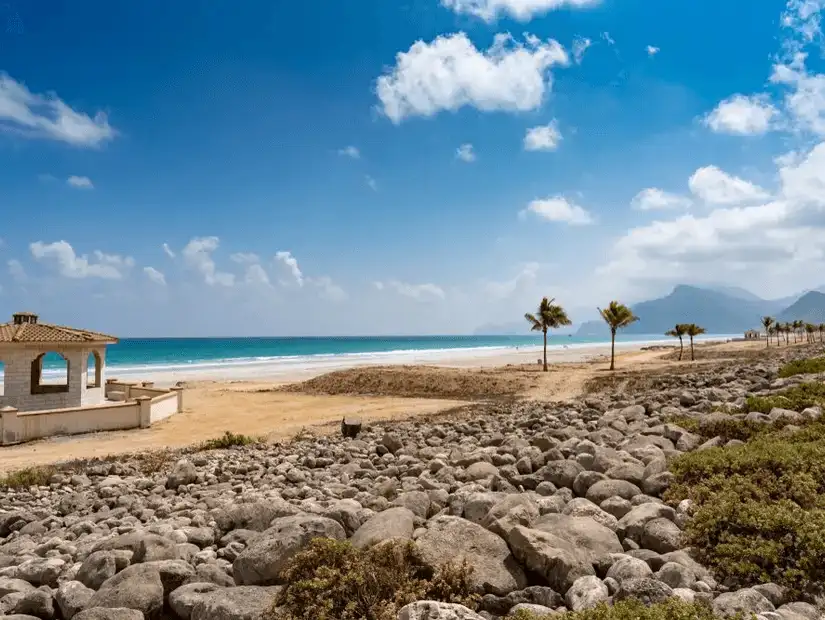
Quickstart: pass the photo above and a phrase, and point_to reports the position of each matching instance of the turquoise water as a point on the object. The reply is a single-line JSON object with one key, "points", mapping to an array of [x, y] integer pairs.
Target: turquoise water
{"points": [[172, 354]]}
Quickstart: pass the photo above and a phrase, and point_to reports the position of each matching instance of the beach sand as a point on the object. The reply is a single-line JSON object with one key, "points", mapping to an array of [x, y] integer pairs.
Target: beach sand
{"points": [[277, 409]]}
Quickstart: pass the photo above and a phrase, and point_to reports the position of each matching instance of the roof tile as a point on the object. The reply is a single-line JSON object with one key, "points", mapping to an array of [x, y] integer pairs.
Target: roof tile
{"points": [[43, 333]]}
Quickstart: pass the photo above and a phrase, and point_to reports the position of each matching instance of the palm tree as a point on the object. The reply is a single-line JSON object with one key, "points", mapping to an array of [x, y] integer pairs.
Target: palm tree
{"points": [[797, 328], [821, 331], [767, 321], [809, 330], [786, 328], [773, 330], [548, 316], [678, 332], [693, 330], [617, 316]]}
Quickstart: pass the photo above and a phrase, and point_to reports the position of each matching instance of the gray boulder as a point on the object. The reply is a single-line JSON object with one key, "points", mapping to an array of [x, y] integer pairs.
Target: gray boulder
{"points": [[550, 556], [586, 592], [746, 600], [184, 599], [391, 523], [136, 587], [239, 603], [73, 597], [102, 613], [433, 610]]}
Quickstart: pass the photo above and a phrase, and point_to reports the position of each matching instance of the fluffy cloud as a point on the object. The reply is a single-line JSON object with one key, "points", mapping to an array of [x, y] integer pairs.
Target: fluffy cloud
{"points": [[655, 199], [559, 209], [80, 182], [198, 255], [741, 115], [579, 47], [168, 251], [328, 288], [244, 258], [155, 276], [778, 239], [522, 10], [46, 116], [419, 292], [525, 278], [543, 138], [291, 264], [450, 73], [350, 151], [465, 153], [651, 50], [256, 275], [70, 265], [715, 186]]}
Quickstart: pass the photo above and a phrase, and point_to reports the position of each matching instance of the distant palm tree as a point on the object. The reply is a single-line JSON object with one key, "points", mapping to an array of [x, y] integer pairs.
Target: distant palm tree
{"points": [[821, 329], [617, 316], [786, 328], [809, 331], [797, 327], [548, 316], [693, 330], [773, 331], [678, 332], [767, 322]]}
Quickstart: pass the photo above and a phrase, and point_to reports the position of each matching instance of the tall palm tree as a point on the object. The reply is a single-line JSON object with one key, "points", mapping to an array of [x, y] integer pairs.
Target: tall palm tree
{"points": [[797, 328], [786, 328], [773, 330], [548, 316], [693, 330], [678, 332], [617, 316], [809, 331], [821, 329], [767, 321]]}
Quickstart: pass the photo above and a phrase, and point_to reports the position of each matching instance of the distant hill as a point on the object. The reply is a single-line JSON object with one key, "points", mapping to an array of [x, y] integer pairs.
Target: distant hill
{"points": [[809, 308], [717, 312], [593, 329]]}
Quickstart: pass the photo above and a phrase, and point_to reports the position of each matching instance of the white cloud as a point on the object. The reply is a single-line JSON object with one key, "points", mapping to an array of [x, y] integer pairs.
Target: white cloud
{"points": [[465, 153], [521, 10], [46, 116], [559, 209], [198, 255], [155, 276], [651, 50], [16, 270], [350, 151], [291, 263], [328, 288], [608, 39], [69, 265], [777, 240], [371, 183], [580, 46], [714, 186], [419, 292], [655, 199], [80, 182], [741, 115], [168, 250], [451, 73], [256, 275], [543, 138], [525, 278]]}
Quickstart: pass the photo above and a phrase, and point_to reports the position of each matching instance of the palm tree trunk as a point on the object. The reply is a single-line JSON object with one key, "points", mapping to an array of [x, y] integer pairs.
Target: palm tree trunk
{"points": [[681, 348], [545, 350], [692, 356], [612, 349]]}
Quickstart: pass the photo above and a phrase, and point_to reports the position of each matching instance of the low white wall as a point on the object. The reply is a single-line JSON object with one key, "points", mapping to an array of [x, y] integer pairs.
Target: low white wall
{"points": [[17, 426], [162, 407]]}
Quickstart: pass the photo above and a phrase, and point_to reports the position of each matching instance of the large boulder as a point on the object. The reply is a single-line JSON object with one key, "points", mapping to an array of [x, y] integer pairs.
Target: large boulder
{"points": [[239, 603], [453, 539], [268, 554], [550, 556], [747, 601], [103, 613], [136, 587], [433, 610], [183, 600], [391, 523], [513, 509], [256, 516], [590, 539]]}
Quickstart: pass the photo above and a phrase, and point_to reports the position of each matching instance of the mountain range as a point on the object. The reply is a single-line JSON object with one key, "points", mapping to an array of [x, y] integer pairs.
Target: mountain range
{"points": [[720, 310]]}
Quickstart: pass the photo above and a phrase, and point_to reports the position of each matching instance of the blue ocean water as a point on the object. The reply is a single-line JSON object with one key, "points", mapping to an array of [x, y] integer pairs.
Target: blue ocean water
{"points": [[133, 355]]}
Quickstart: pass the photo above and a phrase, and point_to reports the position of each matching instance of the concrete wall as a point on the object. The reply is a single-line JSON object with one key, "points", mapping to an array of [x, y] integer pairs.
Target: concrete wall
{"points": [[163, 406], [16, 426]]}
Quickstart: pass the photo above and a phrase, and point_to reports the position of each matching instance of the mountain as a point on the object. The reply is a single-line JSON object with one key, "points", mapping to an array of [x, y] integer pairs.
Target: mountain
{"points": [[809, 308], [717, 312], [593, 329], [735, 291], [516, 328]]}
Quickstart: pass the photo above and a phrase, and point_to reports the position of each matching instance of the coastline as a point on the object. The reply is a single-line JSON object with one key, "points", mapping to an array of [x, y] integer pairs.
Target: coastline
{"points": [[291, 369]]}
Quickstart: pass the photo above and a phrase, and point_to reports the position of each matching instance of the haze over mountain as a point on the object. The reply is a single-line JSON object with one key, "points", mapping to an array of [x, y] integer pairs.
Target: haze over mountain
{"points": [[719, 309]]}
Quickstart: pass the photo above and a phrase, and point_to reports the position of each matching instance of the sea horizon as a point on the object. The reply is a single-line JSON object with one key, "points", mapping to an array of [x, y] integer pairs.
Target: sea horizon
{"points": [[133, 357]]}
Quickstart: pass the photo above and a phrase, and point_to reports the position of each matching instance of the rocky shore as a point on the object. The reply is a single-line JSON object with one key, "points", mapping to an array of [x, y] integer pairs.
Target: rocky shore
{"points": [[555, 506]]}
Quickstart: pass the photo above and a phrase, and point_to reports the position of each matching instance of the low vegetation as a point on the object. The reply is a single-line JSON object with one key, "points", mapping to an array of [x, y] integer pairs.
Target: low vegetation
{"points": [[811, 366], [632, 609], [332, 580], [28, 477], [227, 440], [797, 398], [728, 428], [759, 508]]}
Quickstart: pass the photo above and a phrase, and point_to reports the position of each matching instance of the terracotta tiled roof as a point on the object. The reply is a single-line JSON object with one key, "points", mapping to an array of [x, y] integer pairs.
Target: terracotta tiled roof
{"points": [[37, 333]]}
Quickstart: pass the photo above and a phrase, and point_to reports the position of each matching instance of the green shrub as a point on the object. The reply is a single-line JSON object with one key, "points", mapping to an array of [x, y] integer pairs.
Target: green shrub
{"points": [[331, 580], [760, 508], [28, 477], [227, 440], [729, 428], [632, 609], [796, 398], [813, 365]]}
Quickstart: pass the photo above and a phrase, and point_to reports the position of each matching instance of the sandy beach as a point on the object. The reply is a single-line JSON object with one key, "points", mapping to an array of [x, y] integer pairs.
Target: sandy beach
{"points": [[277, 406]]}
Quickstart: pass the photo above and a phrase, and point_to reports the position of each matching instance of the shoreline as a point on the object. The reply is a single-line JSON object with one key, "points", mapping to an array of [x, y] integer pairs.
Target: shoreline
{"points": [[287, 370]]}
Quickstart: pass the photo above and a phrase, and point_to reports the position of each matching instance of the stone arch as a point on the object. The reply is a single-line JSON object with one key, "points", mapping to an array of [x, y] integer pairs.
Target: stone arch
{"points": [[94, 370], [58, 386]]}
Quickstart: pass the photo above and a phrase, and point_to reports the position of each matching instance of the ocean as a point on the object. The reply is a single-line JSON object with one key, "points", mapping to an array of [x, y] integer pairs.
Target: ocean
{"points": [[143, 356]]}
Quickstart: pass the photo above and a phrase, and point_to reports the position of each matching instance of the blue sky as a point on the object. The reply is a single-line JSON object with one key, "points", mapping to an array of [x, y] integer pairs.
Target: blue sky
{"points": [[257, 168]]}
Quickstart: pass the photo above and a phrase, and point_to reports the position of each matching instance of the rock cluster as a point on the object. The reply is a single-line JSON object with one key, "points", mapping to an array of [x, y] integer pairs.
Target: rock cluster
{"points": [[556, 506]]}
